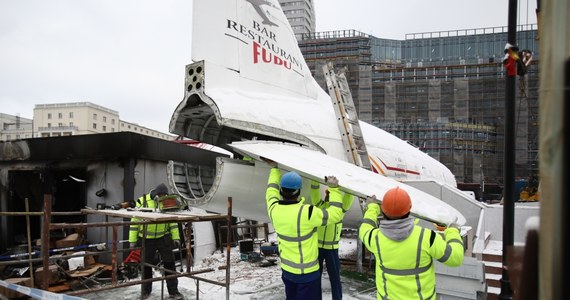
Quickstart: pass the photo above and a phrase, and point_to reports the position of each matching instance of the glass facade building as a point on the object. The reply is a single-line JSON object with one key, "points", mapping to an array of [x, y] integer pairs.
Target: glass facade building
{"points": [[442, 91], [469, 46]]}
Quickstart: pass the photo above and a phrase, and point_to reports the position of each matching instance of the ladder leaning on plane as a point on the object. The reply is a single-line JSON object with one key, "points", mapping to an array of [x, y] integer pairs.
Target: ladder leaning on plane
{"points": [[352, 139], [347, 117]]}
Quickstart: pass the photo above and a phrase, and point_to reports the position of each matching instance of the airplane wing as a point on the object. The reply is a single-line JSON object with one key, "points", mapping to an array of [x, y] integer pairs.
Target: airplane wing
{"points": [[352, 179]]}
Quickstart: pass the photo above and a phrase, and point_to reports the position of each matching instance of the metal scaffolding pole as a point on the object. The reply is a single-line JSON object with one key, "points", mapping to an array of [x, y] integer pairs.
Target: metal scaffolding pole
{"points": [[509, 156]]}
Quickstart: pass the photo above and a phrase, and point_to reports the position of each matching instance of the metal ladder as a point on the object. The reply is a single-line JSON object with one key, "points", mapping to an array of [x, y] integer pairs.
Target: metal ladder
{"points": [[347, 117], [349, 126]]}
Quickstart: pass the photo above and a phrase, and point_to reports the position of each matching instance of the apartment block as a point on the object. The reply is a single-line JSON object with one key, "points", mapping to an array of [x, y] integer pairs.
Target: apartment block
{"points": [[65, 119], [14, 127]]}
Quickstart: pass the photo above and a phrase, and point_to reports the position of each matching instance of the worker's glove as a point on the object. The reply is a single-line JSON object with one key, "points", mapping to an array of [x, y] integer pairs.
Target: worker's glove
{"points": [[443, 227], [132, 245], [440, 227], [331, 181], [453, 224], [176, 244], [269, 162], [370, 200]]}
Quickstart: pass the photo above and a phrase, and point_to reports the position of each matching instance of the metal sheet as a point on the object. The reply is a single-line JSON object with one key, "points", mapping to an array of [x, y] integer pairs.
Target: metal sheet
{"points": [[354, 180]]}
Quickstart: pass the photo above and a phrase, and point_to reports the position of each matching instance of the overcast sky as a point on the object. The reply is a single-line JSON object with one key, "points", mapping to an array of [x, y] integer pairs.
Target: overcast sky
{"points": [[129, 55]]}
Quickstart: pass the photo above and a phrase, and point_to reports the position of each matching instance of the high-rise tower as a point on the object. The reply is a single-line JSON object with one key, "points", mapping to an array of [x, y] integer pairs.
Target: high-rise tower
{"points": [[301, 16]]}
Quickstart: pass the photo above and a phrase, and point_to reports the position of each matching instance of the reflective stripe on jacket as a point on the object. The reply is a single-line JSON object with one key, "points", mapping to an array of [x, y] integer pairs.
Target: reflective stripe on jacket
{"points": [[329, 235], [153, 231], [296, 226], [405, 269]]}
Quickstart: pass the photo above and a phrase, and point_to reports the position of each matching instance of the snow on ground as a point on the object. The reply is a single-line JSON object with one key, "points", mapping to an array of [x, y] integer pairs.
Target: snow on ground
{"points": [[248, 280]]}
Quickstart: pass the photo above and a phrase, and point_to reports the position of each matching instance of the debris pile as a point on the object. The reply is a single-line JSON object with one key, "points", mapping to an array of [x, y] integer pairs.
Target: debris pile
{"points": [[72, 265]]}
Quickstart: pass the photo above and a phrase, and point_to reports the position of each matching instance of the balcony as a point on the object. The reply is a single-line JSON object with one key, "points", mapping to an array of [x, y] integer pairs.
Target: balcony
{"points": [[58, 128], [56, 131]]}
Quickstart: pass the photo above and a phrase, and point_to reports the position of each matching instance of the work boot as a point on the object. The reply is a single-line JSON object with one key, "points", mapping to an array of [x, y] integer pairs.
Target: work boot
{"points": [[176, 296]]}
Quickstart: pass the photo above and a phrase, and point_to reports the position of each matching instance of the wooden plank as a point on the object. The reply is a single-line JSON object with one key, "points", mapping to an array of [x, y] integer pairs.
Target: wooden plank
{"points": [[180, 216], [59, 288], [89, 271]]}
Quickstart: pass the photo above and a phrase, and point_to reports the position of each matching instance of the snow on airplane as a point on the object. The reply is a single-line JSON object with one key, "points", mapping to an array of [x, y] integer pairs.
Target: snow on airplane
{"points": [[250, 92]]}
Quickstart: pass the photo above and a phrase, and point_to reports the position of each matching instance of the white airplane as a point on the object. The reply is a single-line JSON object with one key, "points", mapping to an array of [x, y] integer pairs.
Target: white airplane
{"points": [[250, 92]]}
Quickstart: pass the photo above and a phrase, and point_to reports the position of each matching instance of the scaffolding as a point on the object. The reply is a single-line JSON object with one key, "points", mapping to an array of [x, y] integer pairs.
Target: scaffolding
{"points": [[146, 218], [456, 115], [442, 77]]}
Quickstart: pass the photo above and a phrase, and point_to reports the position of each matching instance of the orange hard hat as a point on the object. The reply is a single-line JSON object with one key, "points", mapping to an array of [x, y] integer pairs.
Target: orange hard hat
{"points": [[396, 203]]}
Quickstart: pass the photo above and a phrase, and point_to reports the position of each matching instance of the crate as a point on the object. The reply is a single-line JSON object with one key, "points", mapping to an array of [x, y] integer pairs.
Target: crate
{"points": [[250, 256], [269, 250], [52, 273], [71, 240], [245, 246]]}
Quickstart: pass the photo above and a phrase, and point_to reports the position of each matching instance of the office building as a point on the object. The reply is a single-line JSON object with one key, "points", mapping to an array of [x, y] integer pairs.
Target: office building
{"points": [[301, 16], [14, 127], [63, 119], [66, 119], [442, 91]]}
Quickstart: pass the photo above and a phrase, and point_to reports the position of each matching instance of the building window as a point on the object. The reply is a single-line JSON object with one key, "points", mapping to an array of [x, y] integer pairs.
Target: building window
{"points": [[60, 116], [49, 116], [59, 124], [49, 125], [112, 129], [94, 125], [104, 128], [94, 116], [113, 121], [71, 115], [70, 124], [17, 136], [104, 119]]}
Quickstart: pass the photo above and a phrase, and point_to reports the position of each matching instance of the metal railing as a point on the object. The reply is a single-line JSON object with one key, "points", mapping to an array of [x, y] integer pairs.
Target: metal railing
{"points": [[45, 252]]}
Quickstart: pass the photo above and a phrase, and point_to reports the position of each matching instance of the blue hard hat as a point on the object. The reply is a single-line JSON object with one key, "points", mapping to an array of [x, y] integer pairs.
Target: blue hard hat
{"points": [[291, 180]]}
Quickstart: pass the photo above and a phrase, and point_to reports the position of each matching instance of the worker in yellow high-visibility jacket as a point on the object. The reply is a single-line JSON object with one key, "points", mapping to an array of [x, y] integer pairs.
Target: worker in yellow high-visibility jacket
{"points": [[159, 237], [296, 226], [404, 251], [328, 237]]}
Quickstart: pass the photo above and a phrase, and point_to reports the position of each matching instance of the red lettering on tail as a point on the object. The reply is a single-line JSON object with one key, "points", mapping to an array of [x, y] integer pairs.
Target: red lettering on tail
{"points": [[268, 57]]}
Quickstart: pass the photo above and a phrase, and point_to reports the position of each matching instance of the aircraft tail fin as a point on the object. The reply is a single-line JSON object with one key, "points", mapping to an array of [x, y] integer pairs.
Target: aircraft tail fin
{"points": [[254, 39]]}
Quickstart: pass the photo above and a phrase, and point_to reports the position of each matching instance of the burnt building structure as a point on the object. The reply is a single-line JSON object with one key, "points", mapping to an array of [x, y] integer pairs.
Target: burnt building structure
{"points": [[82, 171]]}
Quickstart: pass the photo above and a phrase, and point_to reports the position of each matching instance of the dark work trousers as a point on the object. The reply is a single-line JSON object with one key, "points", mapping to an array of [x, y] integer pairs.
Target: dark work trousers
{"points": [[164, 246], [330, 256], [303, 291]]}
